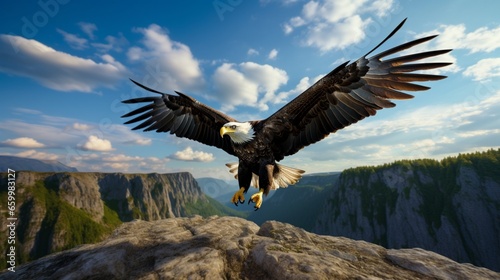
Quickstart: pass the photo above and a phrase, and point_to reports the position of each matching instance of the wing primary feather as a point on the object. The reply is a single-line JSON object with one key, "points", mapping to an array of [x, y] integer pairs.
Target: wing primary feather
{"points": [[142, 125], [355, 106], [139, 110], [348, 114], [139, 118], [377, 102], [158, 120], [388, 37], [146, 88], [177, 122], [413, 57], [396, 85], [403, 47], [342, 120], [184, 126], [139, 100], [407, 77], [325, 122], [418, 66], [333, 119], [155, 121], [190, 131], [310, 133], [166, 122]]}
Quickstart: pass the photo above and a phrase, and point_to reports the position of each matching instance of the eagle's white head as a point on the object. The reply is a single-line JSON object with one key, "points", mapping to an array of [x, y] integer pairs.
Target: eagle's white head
{"points": [[238, 132]]}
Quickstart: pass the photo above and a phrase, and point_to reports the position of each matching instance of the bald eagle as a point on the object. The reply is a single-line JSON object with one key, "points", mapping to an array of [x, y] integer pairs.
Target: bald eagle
{"points": [[344, 96]]}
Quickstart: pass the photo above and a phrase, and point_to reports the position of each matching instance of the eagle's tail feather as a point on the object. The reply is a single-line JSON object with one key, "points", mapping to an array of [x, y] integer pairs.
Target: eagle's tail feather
{"points": [[286, 175], [283, 176]]}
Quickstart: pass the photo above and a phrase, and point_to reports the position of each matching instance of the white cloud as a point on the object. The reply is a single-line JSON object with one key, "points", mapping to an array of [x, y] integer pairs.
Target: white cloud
{"points": [[188, 154], [95, 143], [88, 28], [273, 54], [115, 43], [479, 132], [121, 158], [248, 83], [233, 87], [22, 142], [56, 70], [297, 21], [338, 35], [140, 142], [303, 84], [456, 37], [62, 132], [119, 166], [122, 162], [283, 2], [482, 39], [484, 69], [252, 52], [287, 28], [73, 40], [336, 24], [37, 155], [25, 111], [109, 162], [381, 7], [80, 126], [170, 64]]}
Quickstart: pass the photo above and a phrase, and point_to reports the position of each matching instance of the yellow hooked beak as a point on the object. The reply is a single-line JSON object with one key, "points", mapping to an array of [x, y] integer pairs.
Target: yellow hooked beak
{"points": [[224, 130]]}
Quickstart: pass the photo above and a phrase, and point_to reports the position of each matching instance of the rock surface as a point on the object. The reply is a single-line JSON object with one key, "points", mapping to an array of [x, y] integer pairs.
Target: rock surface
{"points": [[234, 248]]}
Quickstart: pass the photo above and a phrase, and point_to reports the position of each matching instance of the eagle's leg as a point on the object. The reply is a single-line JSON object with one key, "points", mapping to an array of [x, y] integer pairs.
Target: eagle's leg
{"points": [[239, 196], [244, 179], [257, 199], [265, 181]]}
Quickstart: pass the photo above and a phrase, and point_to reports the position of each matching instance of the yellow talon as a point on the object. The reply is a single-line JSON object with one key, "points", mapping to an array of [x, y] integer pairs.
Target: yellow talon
{"points": [[239, 197], [257, 199]]}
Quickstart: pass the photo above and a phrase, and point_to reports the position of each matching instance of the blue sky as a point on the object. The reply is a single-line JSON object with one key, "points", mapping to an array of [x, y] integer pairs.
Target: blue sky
{"points": [[65, 65]]}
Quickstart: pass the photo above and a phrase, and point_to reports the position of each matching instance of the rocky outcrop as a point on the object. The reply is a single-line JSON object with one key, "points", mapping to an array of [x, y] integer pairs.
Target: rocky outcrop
{"points": [[449, 207], [233, 248]]}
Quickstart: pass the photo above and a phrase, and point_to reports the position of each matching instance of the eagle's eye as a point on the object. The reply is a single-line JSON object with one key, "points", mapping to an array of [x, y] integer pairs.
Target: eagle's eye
{"points": [[233, 126]]}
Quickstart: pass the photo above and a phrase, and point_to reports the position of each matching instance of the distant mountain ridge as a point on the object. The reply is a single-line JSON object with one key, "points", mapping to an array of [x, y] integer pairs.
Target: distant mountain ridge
{"points": [[30, 164], [216, 188]]}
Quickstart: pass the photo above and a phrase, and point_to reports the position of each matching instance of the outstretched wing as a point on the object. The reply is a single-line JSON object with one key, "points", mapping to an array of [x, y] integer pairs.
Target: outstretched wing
{"points": [[180, 115], [350, 93]]}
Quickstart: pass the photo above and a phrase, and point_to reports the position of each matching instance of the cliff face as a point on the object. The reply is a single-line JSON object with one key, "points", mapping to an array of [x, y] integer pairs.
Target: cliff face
{"points": [[148, 196], [57, 211], [451, 207], [233, 248]]}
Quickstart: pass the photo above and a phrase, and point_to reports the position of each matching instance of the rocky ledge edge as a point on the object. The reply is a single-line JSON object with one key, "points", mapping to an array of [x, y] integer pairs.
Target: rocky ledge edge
{"points": [[234, 248]]}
